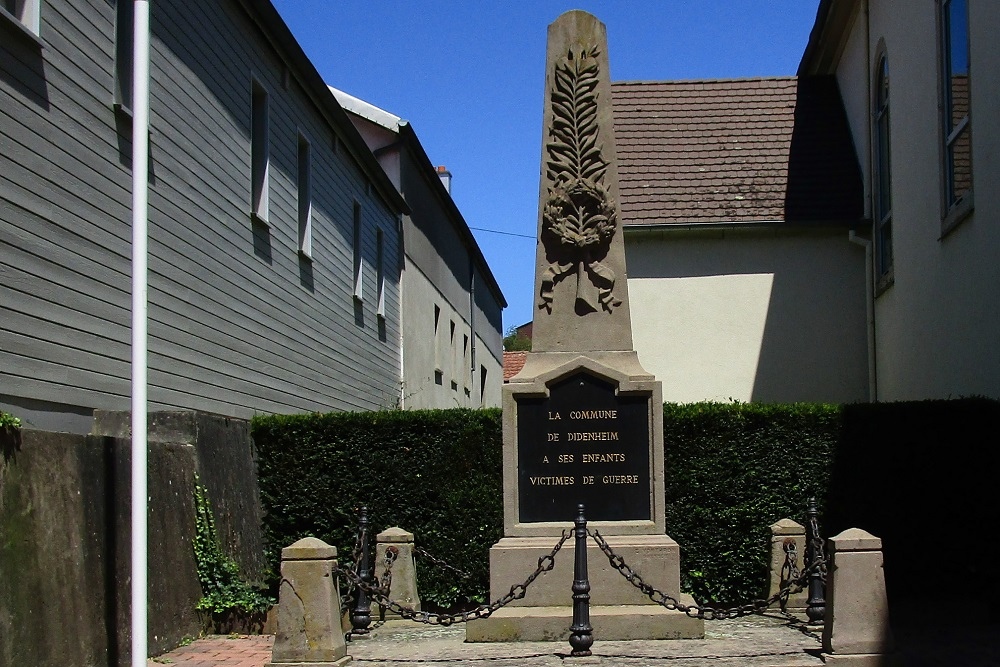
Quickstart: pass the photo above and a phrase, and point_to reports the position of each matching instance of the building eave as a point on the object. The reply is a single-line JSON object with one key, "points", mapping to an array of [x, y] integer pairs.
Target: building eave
{"points": [[276, 32], [826, 40], [426, 168], [688, 226]]}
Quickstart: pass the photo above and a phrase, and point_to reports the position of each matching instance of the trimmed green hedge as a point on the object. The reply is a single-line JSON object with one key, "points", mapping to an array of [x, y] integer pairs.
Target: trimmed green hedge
{"points": [[899, 470], [435, 473], [731, 471]]}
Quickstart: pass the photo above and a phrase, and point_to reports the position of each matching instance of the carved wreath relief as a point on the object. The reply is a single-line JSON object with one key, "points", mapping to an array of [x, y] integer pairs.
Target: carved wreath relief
{"points": [[579, 217]]}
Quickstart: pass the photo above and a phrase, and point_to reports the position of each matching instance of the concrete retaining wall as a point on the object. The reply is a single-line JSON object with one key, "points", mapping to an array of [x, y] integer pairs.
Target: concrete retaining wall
{"points": [[65, 534]]}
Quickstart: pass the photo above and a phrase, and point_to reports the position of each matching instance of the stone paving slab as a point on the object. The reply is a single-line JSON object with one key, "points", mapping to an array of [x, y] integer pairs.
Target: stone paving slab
{"points": [[754, 642], [748, 642]]}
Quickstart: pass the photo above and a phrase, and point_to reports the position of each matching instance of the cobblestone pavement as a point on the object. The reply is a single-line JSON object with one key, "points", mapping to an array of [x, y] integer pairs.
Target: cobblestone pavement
{"points": [[748, 642]]}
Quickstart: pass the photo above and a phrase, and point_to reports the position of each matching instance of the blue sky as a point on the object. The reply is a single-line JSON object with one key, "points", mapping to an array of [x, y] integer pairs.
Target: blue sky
{"points": [[469, 76]]}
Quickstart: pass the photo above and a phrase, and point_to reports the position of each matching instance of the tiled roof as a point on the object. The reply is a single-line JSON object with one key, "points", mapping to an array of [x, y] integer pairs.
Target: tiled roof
{"points": [[737, 150], [513, 362]]}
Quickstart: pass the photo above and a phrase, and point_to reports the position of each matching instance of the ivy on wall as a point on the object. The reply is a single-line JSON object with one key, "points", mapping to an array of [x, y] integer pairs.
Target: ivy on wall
{"points": [[224, 591]]}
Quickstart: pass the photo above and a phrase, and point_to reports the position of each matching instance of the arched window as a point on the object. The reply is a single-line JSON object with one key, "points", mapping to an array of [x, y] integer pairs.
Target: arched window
{"points": [[882, 176], [957, 126]]}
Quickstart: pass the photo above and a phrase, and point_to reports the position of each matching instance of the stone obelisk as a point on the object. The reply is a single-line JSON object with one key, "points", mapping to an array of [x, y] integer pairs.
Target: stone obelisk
{"points": [[582, 421]]}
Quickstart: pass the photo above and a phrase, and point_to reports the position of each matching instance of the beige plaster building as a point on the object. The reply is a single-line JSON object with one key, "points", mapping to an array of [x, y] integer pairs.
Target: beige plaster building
{"points": [[825, 237], [741, 200], [921, 89], [451, 340]]}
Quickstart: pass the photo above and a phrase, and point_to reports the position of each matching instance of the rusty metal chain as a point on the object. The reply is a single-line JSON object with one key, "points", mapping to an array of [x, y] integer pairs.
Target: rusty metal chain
{"points": [[423, 553], [818, 547], [385, 583], [695, 611], [518, 591], [790, 568]]}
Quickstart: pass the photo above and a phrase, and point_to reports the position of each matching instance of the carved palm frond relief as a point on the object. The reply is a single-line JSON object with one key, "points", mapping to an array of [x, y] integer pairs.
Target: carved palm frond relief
{"points": [[579, 216]]}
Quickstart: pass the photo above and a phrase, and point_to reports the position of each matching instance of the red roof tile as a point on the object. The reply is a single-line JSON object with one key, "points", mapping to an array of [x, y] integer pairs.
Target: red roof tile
{"points": [[513, 362], [737, 150]]}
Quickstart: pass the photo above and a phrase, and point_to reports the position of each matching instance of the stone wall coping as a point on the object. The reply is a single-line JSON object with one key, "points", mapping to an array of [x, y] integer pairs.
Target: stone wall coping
{"points": [[855, 539], [394, 534], [309, 548]]}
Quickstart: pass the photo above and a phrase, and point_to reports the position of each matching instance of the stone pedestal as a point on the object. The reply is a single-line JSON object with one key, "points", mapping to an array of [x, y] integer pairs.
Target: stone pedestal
{"points": [[403, 588], [618, 610], [309, 632], [781, 532]]}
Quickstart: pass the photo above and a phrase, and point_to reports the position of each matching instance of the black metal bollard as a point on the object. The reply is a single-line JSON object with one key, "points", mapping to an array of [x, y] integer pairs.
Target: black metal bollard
{"points": [[581, 636], [361, 614], [816, 605]]}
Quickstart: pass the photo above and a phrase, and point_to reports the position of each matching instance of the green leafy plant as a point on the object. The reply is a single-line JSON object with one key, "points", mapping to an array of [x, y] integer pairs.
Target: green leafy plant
{"points": [[10, 434], [514, 342], [9, 421], [222, 587]]}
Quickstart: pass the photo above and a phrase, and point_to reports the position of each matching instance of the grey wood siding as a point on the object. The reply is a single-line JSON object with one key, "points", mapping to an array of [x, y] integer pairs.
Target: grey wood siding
{"points": [[238, 322]]}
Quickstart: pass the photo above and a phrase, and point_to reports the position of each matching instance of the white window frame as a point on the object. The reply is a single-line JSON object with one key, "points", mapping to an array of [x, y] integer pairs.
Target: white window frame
{"points": [[260, 152], [380, 272], [882, 173], [304, 195], [359, 261], [26, 14], [438, 370], [124, 54], [957, 205]]}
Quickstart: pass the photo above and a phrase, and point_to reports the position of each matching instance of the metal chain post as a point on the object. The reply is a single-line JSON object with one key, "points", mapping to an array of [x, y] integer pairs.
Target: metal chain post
{"points": [[361, 614], [581, 636], [816, 605]]}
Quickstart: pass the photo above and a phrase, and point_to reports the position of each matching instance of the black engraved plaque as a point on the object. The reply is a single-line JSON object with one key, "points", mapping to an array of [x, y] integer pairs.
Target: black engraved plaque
{"points": [[583, 444]]}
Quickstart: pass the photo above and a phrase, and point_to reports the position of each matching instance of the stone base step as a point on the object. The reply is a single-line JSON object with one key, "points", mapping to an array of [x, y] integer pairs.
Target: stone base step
{"points": [[624, 622]]}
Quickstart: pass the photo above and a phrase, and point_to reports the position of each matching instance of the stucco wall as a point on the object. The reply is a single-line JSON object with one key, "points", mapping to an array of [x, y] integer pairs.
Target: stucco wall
{"points": [[937, 324], [426, 350], [756, 315]]}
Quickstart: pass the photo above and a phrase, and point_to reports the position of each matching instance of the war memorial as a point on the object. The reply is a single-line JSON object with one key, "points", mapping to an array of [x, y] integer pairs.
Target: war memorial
{"points": [[582, 443], [582, 423]]}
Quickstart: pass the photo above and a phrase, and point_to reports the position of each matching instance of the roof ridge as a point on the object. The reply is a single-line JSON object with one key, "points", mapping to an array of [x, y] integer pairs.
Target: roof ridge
{"points": [[748, 79]]}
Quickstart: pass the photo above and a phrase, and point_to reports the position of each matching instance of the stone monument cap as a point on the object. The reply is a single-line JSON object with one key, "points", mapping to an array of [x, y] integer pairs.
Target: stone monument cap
{"points": [[309, 548], [855, 539], [394, 534], [787, 527]]}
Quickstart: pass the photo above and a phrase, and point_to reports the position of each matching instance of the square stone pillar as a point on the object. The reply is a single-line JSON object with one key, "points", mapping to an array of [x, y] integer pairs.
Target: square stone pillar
{"points": [[309, 632], [781, 532], [403, 587], [857, 631]]}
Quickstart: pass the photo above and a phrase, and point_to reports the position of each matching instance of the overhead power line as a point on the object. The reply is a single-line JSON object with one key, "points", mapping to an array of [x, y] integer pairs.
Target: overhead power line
{"points": [[497, 231]]}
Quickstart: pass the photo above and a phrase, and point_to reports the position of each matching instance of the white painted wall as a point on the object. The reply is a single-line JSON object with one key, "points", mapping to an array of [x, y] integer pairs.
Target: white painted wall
{"points": [[750, 315], [938, 325], [425, 352]]}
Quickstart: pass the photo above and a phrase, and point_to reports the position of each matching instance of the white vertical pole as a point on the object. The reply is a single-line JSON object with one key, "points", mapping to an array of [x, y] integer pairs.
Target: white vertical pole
{"points": [[140, 212]]}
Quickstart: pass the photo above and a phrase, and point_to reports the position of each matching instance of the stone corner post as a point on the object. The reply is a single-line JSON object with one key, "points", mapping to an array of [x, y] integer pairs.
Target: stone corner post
{"points": [[785, 532], [403, 587], [309, 632], [857, 631]]}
